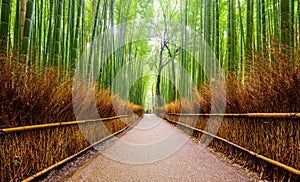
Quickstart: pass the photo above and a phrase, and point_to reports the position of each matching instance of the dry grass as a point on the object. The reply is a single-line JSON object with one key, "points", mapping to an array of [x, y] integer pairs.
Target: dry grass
{"points": [[26, 153], [33, 97], [269, 86], [44, 96], [39, 97]]}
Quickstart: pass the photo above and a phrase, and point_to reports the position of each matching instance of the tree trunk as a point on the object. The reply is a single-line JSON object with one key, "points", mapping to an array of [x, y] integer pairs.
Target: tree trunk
{"points": [[284, 4], [264, 29], [27, 31], [298, 17], [249, 34], [217, 46], [58, 18], [94, 34], [22, 18], [77, 32], [5, 16], [231, 37], [17, 33], [158, 97], [174, 81]]}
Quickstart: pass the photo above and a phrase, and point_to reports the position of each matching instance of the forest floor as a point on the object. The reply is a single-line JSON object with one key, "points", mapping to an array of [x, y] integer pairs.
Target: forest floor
{"points": [[151, 151]]}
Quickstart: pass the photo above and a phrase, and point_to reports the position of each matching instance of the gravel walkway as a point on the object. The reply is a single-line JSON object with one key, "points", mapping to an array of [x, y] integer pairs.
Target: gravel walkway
{"points": [[155, 151]]}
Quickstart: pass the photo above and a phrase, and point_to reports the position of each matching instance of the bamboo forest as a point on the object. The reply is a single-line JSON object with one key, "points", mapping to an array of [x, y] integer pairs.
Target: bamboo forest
{"points": [[150, 90]]}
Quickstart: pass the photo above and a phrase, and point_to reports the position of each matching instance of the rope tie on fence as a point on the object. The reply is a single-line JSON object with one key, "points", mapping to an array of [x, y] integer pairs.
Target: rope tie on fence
{"points": [[293, 115]]}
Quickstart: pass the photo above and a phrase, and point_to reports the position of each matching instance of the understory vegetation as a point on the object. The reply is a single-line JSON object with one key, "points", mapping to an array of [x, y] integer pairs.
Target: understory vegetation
{"points": [[269, 87], [40, 97], [45, 96]]}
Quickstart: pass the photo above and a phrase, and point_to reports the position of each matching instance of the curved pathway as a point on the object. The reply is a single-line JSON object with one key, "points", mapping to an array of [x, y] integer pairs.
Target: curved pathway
{"points": [[153, 150]]}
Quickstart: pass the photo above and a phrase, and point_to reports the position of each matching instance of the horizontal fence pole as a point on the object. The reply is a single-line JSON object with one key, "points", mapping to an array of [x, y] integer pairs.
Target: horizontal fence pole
{"points": [[39, 174], [248, 115], [51, 125], [271, 161]]}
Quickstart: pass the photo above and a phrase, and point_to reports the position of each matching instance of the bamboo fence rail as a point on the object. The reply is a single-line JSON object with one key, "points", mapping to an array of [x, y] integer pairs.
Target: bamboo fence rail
{"points": [[27, 150], [271, 161], [39, 174], [248, 115], [41, 126]]}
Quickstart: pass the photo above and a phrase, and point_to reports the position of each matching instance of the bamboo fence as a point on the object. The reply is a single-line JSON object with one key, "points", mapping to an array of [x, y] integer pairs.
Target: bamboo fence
{"points": [[51, 125], [24, 151], [64, 161], [248, 115], [268, 143]]}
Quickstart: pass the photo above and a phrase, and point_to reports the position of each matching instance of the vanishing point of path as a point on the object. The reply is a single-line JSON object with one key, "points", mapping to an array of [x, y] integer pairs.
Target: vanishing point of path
{"points": [[153, 150]]}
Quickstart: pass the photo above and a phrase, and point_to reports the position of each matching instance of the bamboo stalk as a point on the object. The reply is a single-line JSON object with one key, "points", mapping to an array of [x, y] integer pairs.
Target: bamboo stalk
{"points": [[28, 26], [51, 125], [73, 156], [248, 115], [271, 161]]}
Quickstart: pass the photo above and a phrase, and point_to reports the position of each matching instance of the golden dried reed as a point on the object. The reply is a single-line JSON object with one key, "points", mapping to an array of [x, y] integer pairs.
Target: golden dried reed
{"points": [[271, 86], [28, 152], [44, 96]]}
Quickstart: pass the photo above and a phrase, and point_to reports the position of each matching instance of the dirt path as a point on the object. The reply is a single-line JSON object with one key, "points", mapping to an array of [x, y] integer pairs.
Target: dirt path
{"points": [[155, 151]]}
